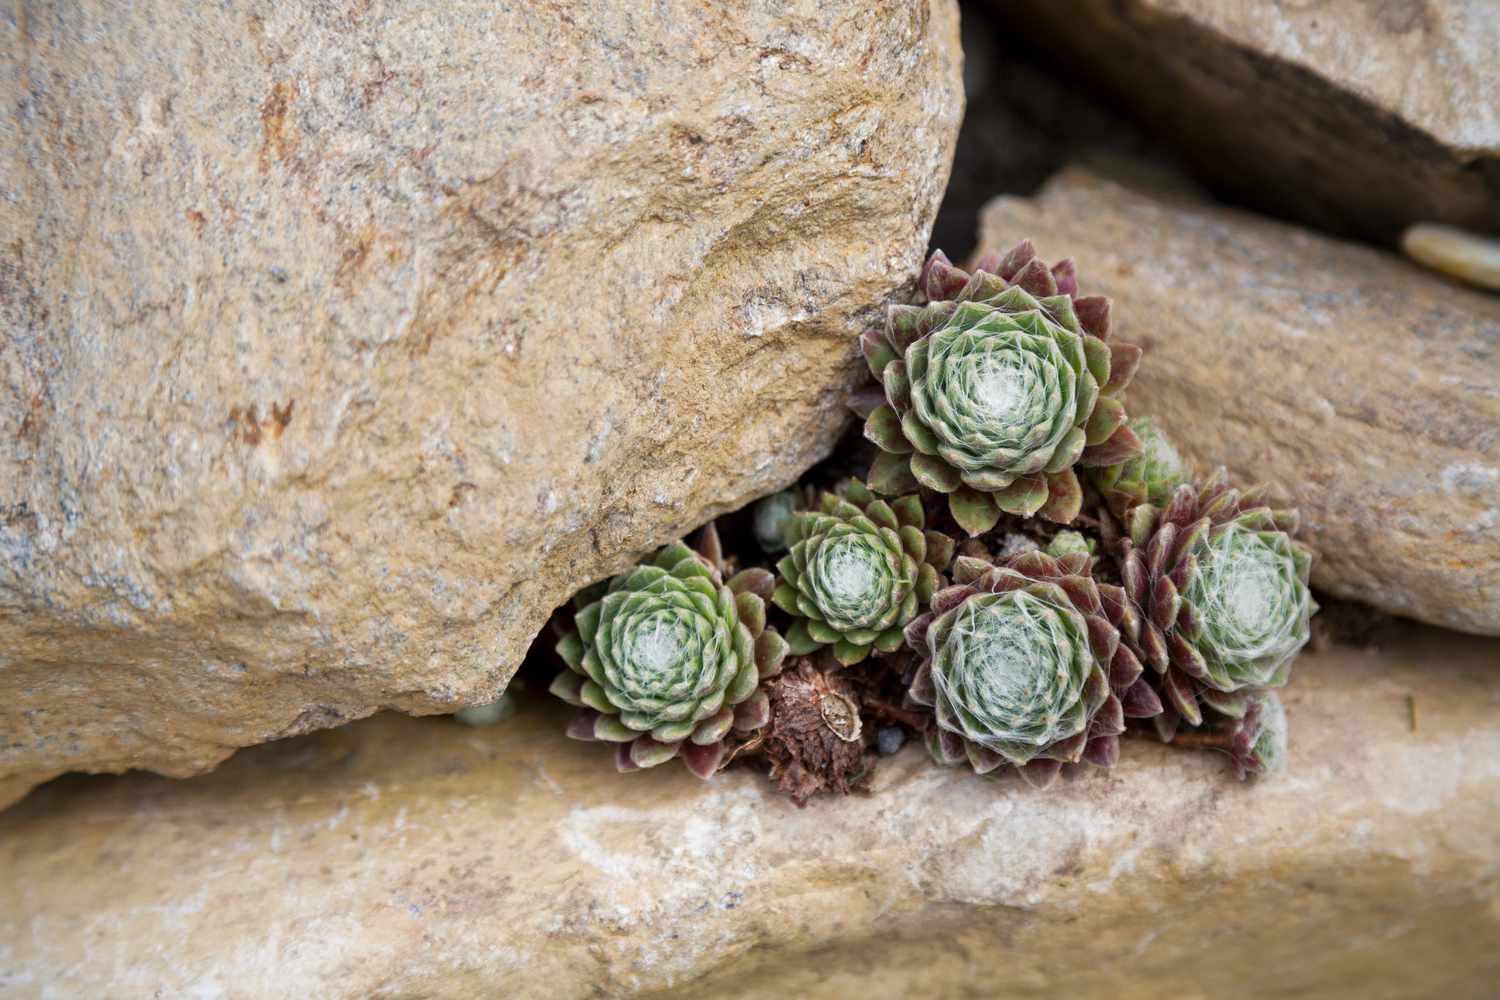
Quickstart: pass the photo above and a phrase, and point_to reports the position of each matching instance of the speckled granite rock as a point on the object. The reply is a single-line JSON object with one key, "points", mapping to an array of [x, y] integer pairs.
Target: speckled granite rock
{"points": [[419, 857], [1367, 387], [342, 341], [1357, 116]]}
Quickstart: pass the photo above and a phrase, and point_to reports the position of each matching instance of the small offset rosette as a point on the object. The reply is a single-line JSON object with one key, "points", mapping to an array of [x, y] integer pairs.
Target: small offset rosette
{"points": [[1219, 604], [858, 570], [669, 661]]}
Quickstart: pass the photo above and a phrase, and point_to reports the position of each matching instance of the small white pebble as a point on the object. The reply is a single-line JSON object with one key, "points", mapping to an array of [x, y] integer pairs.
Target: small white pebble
{"points": [[1455, 252]]}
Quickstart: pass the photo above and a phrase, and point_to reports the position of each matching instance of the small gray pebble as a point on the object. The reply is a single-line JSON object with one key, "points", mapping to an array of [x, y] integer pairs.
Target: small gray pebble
{"points": [[890, 739]]}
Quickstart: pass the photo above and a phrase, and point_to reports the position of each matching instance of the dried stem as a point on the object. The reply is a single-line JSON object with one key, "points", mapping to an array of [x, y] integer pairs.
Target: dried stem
{"points": [[892, 713], [1202, 739]]}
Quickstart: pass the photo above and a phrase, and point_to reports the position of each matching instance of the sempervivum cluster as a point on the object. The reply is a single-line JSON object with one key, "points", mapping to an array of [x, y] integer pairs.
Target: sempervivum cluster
{"points": [[997, 406], [1022, 666], [1219, 603], [857, 571], [670, 659], [995, 388]]}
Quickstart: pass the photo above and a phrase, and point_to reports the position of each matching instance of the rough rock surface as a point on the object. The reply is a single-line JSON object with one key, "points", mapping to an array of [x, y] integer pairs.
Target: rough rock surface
{"points": [[1023, 122], [339, 342], [1359, 117], [1365, 386], [419, 857]]}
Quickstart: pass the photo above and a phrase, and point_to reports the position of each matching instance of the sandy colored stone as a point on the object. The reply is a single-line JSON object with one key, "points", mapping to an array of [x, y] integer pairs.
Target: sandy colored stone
{"points": [[1358, 116], [1366, 387], [342, 341], [419, 857]]}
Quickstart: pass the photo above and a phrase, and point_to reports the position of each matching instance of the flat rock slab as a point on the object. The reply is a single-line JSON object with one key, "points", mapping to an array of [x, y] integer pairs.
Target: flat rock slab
{"points": [[342, 342], [1356, 116], [418, 857], [1366, 387]]}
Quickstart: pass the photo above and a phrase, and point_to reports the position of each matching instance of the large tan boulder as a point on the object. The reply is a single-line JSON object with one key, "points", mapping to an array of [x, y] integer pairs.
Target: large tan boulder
{"points": [[1366, 387], [1358, 116], [416, 857], [344, 341]]}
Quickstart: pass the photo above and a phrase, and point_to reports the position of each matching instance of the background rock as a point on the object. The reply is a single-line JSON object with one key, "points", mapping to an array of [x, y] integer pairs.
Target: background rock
{"points": [[1023, 122], [409, 857], [1358, 117], [1367, 388], [343, 341]]}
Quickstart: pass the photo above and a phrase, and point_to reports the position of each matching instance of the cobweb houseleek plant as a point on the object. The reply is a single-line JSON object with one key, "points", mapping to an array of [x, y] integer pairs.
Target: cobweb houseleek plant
{"points": [[994, 389], [858, 570], [994, 393], [1023, 667], [1218, 601], [669, 660]]}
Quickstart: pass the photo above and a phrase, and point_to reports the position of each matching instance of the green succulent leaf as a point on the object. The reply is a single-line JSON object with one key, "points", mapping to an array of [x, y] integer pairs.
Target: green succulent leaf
{"points": [[849, 653], [890, 474], [883, 428], [1025, 496], [974, 511], [1150, 477], [1267, 753]]}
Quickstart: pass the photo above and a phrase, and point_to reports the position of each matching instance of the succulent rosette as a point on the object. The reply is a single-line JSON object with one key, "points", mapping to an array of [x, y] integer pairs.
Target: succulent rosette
{"points": [[1150, 477], [1219, 604], [770, 518], [1258, 740], [858, 570], [669, 660], [994, 389], [1022, 666], [1255, 738]]}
